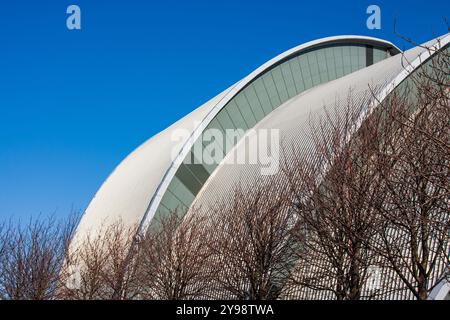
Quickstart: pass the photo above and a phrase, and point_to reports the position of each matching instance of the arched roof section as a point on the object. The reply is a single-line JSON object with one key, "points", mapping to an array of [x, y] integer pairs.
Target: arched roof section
{"points": [[293, 118], [256, 96], [135, 190]]}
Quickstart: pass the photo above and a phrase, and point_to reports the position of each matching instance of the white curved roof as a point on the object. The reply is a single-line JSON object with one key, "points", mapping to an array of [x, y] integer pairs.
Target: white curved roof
{"points": [[133, 190], [293, 119], [127, 191]]}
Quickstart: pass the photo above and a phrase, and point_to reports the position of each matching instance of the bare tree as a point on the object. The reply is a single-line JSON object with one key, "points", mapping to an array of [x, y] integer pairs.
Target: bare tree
{"points": [[102, 266], [31, 257], [332, 194], [251, 243], [2, 245], [173, 258], [377, 197], [414, 164]]}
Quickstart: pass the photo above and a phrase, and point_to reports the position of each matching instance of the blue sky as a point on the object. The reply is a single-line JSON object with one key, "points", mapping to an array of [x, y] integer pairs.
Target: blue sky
{"points": [[74, 103]]}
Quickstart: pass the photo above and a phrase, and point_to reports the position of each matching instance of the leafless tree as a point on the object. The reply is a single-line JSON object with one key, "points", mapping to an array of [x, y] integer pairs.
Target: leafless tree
{"points": [[31, 257], [174, 257], [414, 163], [251, 243], [377, 197], [102, 266], [332, 193], [2, 243]]}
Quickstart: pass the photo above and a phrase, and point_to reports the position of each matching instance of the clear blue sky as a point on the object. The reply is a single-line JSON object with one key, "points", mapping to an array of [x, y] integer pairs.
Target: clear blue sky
{"points": [[74, 103]]}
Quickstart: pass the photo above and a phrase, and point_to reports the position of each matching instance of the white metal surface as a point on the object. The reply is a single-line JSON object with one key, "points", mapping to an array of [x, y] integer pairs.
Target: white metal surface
{"points": [[293, 118], [134, 189]]}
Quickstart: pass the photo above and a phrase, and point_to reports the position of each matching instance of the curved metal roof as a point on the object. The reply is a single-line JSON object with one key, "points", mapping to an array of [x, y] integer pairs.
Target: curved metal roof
{"points": [[293, 118], [133, 190]]}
